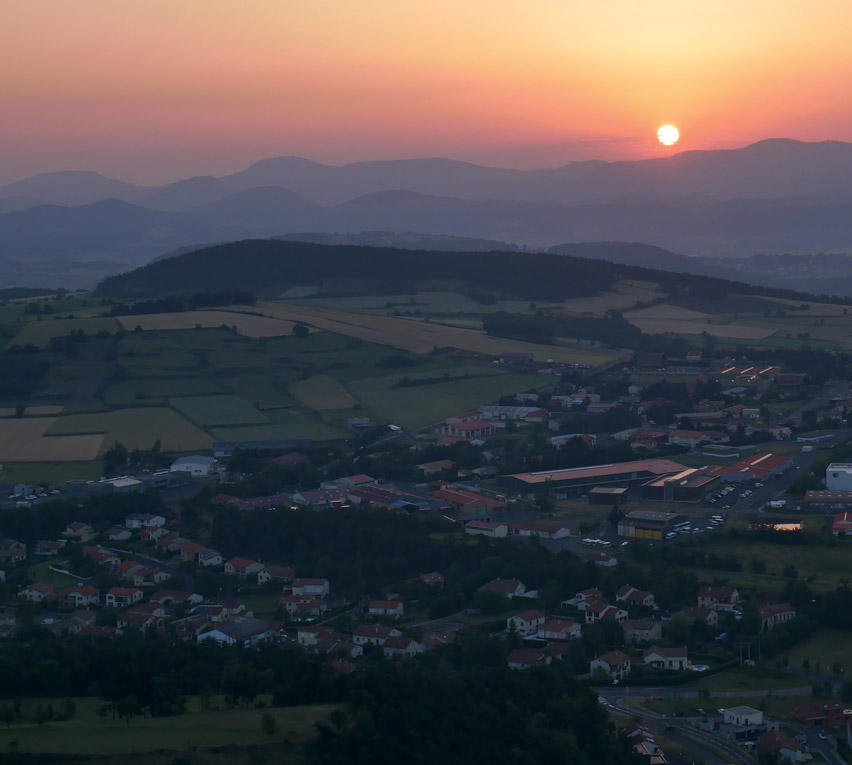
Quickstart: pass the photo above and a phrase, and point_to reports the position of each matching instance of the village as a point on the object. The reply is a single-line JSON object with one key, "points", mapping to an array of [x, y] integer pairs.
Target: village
{"points": [[682, 467]]}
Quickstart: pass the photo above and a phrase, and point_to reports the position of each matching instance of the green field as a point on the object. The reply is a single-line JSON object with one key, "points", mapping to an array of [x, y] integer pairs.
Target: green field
{"points": [[749, 679], [827, 647], [419, 405], [40, 333], [147, 390], [89, 733], [437, 303], [773, 706], [52, 473], [321, 392], [289, 425], [223, 410], [137, 429]]}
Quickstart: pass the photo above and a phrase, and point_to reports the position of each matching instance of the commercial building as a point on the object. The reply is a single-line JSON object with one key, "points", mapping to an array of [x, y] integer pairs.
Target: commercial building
{"points": [[575, 480], [690, 485], [824, 500], [608, 495], [838, 476], [645, 524]]}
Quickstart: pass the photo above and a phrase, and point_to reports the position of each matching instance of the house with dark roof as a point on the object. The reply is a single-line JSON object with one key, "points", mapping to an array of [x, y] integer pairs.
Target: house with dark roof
{"points": [[718, 598], [824, 713], [242, 568], [527, 658], [774, 614], [557, 628], [777, 742], [666, 658], [526, 623], [616, 664], [392, 608], [401, 647], [373, 634], [642, 630], [317, 588], [512, 588], [278, 573], [245, 631]]}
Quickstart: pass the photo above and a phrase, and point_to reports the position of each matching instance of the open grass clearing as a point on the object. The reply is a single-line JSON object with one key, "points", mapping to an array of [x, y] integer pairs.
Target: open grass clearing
{"points": [[288, 425], [266, 389], [90, 734], [773, 706], [218, 411], [25, 440], [422, 337], [827, 647], [248, 325], [40, 333], [321, 392], [417, 405], [136, 429], [625, 294], [42, 572], [55, 474], [159, 390], [748, 679], [426, 301], [828, 564]]}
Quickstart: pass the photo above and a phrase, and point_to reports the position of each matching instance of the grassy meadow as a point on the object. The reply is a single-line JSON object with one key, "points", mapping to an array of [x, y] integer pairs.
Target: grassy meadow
{"points": [[90, 734]]}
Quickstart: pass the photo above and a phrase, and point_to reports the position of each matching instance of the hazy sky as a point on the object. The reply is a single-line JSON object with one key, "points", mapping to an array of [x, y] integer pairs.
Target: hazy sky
{"points": [[157, 90]]}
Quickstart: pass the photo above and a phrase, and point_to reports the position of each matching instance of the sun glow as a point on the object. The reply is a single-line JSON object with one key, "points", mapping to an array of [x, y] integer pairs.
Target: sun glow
{"points": [[668, 135]]}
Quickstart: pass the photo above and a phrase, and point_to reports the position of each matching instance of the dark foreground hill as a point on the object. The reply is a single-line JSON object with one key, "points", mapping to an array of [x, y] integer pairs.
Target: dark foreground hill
{"points": [[268, 268]]}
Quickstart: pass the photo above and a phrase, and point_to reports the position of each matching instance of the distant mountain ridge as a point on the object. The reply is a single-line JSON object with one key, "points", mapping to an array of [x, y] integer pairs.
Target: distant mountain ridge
{"points": [[775, 196], [771, 169]]}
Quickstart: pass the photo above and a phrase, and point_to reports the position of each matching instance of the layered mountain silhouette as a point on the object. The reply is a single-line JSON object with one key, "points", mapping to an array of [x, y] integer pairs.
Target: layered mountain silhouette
{"points": [[775, 196]]}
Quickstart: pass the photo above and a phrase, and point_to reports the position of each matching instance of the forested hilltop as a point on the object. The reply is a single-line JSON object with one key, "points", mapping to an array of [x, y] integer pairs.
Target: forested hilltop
{"points": [[268, 268]]}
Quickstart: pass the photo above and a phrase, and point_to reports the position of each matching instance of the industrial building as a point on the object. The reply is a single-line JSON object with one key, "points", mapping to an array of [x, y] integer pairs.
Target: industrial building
{"points": [[608, 495], [577, 480], [645, 524], [826, 499], [838, 476], [690, 485]]}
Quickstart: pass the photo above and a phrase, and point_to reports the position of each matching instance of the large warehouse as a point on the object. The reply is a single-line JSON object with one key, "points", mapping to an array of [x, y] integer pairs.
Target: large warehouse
{"points": [[577, 480]]}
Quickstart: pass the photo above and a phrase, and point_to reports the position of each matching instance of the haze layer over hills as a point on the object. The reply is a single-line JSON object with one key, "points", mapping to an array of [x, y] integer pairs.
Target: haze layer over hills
{"points": [[776, 196]]}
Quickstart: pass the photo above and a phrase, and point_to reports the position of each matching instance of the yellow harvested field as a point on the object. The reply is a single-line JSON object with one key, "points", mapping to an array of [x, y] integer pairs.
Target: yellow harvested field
{"points": [[423, 337], [322, 392], [40, 333], [816, 309], [624, 294], [248, 325], [135, 428], [665, 318], [25, 440]]}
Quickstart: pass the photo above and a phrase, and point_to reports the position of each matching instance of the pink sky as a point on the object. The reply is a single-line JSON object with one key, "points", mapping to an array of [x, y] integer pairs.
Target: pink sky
{"points": [[155, 91]]}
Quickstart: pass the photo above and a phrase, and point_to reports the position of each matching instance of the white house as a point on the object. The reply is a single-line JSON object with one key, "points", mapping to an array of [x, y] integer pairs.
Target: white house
{"points": [[745, 717], [666, 658], [385, 608], [318, 588], [526, 623], [615, 663]]}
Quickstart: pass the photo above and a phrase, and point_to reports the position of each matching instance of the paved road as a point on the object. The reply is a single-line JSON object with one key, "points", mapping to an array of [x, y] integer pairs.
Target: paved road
{"points": [[708, 747]]}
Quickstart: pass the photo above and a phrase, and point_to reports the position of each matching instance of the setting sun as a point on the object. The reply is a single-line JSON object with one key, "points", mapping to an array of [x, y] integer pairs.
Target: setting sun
{"points": [[668, 135]]}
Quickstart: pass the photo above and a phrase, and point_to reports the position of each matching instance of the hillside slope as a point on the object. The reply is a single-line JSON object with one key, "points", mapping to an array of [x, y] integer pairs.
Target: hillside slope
{"points": [[268, 268]]}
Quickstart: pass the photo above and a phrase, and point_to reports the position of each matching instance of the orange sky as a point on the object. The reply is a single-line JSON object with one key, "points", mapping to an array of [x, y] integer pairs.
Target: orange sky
{"points": [[156, 90]]}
